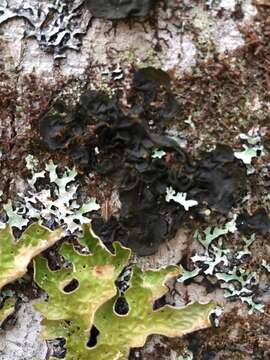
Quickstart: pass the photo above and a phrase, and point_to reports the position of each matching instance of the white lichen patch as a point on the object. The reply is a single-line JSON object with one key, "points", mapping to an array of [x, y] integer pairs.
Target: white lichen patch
{"points": [[217, 256], [186, 274], [227, 4], [158, 154], [56, 202], [247, 154], [253, 149], [15, 219], [180, 198], [238, 284], [266, 265]]}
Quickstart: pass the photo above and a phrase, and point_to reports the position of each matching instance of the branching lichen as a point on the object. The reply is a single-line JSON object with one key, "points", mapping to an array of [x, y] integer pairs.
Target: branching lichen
{"points": [[55, 26], [210, 234], [56, 201], [236, 280], [180, 198]]}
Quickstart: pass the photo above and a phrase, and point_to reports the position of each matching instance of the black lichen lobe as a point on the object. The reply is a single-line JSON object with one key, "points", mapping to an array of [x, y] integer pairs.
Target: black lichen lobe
{"points": [[119, 9], [149, 80], [259, 222], [219, 179], [53, 127]]}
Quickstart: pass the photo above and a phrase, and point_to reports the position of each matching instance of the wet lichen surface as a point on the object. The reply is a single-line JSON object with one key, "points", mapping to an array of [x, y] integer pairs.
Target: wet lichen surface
{"points": [[161, 153]]}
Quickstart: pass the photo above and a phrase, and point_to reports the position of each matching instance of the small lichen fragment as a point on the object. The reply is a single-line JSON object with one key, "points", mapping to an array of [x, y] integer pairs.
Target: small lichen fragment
{"points": [[15, 219], [7, 309], [246, 155], [158, 154], [180, 198]]}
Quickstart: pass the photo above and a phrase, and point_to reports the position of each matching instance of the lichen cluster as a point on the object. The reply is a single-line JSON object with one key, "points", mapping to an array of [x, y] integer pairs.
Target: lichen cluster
{"points": [[56, 26], [226, 265], [83, 295], [120, 144]]}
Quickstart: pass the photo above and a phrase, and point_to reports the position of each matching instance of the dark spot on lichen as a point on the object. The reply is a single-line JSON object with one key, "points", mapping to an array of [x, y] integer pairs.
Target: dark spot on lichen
{"points": [[71, 286], [92, 342], [121, 306]]}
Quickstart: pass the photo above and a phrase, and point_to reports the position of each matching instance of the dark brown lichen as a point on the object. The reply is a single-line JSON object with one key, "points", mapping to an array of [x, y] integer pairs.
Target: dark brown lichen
{"points": [[118, 9]]}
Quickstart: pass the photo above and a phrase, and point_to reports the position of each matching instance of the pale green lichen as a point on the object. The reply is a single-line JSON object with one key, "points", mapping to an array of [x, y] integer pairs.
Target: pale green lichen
{"points": [[190, 122], [158, 154], [210, 234], [56, 201], [217, 256], [246, 251], [186, 274], [237, 282], [180, 198], [247, 154], [15, 219], [266, 265], [71, 315], [186, 355], [252, 150]]}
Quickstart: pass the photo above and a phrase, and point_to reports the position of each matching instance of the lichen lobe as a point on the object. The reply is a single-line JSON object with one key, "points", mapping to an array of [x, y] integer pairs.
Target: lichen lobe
{"points": [[118, 9]]}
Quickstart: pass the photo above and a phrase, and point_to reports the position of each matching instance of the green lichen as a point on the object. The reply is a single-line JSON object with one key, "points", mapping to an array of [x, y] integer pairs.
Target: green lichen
{"points": [[7, 309], [119, 333], [71, 315], [15, 256]]}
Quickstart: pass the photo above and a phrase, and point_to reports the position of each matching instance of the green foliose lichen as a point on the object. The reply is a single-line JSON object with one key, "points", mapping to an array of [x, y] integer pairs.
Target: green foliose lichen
{"points": [[7, 309], [16, 255], [71, 315]]}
